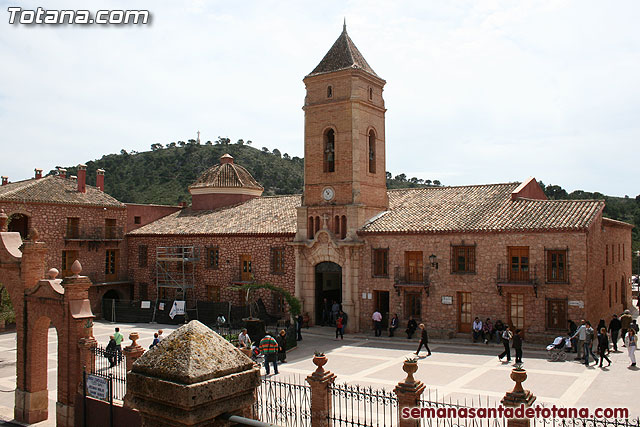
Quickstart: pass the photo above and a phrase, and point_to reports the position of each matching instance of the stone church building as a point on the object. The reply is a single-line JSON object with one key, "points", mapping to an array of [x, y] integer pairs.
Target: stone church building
{"points": [[443, 255]]}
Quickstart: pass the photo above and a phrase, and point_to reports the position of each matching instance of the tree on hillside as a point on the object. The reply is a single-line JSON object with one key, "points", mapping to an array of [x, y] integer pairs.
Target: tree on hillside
{"points": [[436, 183], [156, 146]]}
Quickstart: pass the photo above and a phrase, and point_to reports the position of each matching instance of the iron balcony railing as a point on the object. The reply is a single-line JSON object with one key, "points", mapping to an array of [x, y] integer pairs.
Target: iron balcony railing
{"points": [[411, 276], [521, 274], [241, 276], [120, 276], [95, 233]]}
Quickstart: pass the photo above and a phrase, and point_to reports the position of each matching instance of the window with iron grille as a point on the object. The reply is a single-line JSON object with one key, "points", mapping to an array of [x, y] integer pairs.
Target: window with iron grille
{"points": [[142, 255], [213, 257], [73, 228], [381, 262], [463, 259], [277, 260], [556, 260]]}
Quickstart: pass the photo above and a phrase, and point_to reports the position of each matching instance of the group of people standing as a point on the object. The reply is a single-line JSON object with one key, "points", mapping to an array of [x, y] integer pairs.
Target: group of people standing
{"points": [[510, 340], [333, 315], [273, 349], [584, 336]]}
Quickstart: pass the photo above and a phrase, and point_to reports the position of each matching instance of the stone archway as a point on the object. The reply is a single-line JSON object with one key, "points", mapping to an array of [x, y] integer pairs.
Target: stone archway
{"points": [[328, 277], [39, 303], [19, 223]]}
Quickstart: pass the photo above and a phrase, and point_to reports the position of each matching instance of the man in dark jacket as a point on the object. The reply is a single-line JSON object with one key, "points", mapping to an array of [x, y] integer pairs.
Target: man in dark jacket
{"points": [[614, 329], [411, 327], [424, 340], [111, 351], [517, 345], [572, 331]]}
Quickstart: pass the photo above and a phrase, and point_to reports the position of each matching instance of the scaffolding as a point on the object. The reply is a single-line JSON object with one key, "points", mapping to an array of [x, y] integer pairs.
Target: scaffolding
{"points": [[175, 269]]}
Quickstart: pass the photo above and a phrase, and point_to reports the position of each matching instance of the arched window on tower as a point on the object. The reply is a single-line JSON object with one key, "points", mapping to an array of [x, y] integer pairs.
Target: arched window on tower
{"points": [[336, 225], [343, 227], [329, 91], [317, 224], [310, 228], [372, 151], [329, 151], [370, 94]]}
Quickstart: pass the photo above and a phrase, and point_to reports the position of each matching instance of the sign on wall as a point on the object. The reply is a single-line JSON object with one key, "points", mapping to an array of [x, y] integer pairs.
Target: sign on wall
{"points": [[98, 387], [447, 300], [579, 304]]}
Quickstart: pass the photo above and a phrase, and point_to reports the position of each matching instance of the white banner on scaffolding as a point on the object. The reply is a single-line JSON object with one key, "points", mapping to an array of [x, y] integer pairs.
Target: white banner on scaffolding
{"points": [[177, 309]]}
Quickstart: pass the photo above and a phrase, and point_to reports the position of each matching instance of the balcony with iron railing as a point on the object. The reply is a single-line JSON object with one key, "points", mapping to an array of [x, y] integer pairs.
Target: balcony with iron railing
{"points": [[102, 278], [241, 276], [417, 277], [94, 234], [522, 275]]}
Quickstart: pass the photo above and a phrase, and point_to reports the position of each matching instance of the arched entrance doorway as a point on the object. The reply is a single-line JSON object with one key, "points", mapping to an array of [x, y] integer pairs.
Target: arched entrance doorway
{"points": [[109, 304], [328, 285], [19, 223]]}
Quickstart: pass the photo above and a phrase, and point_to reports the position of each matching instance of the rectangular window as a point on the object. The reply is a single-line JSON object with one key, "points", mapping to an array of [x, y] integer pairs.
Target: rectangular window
{"points": [[557, 314], [111, 265], [73, 228], [557, 266], [381, 262], [144, 291], [413, 305], [463, 259], [68, 258], [278, 303], [516, 311], [277, 260], [142, 255], [137, 220], [110, 228], [518, 263], [413, 266], [213, 257]]}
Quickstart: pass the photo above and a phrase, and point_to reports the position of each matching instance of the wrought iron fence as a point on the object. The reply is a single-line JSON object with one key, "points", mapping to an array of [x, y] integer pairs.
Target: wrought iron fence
{"points": [[286, 403], [438, 412], [353, 405], [108, 364]]}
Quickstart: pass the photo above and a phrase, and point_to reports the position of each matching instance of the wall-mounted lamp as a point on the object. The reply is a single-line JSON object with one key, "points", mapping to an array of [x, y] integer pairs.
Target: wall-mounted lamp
{"points": [[433, 260]]}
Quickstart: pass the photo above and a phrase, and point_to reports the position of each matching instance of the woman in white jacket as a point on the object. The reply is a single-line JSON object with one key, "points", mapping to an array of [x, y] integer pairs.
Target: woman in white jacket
{"points": [[631, 341]]}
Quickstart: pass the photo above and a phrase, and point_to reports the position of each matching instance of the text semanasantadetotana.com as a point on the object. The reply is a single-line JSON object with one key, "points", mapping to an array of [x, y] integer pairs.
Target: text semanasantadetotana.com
{"points": [[52, 16], [518, 412]]}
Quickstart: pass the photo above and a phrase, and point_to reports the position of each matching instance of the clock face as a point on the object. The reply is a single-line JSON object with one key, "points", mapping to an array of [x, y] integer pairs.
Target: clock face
{"points": [[328, 193]]}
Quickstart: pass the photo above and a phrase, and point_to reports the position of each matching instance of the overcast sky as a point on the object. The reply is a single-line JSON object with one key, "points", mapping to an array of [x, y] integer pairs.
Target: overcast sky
{"points": [[477, 91]]}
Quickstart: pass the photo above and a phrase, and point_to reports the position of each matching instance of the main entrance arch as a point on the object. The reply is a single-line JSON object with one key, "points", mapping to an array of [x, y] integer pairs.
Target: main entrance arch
{"points": [[328, 285]]}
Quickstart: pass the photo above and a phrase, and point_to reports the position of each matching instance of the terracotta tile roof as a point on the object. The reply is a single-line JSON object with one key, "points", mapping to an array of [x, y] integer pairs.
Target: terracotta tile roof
{"points": [[262, 215], [55, 189], [479, 208], [343, 55], [225, 175]]}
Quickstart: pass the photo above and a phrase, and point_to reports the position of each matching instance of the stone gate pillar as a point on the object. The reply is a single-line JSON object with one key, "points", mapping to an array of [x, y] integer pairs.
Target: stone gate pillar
{"points": [[133, 351], [517, 397], [409, 391], [320, 380], [190, 378]]}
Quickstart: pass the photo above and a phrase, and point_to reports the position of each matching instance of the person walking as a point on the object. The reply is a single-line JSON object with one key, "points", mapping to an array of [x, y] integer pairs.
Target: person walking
{"points": [[625, 321], [603, 346], [394, 324], [506, 337], [299, 321], [335, 310], [631, 342], [572, 331], [517, 345], [282, 346], [269, 347], [339, 327], [110, 351], [581, 335], [412, 325], [614, 330], [424, 340], [377, 323], [588, 344], [118, 338]]}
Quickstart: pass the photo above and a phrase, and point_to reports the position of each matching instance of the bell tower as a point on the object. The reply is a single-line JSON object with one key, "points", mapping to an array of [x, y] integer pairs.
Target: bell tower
{"points": [[344, 144]]}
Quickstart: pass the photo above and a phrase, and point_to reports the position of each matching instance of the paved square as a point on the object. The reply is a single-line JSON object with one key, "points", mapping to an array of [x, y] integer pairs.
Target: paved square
{"points": [[457, 370]]}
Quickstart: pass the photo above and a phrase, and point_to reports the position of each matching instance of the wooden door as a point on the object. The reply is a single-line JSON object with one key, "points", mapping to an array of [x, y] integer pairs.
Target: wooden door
{"points": [[516, 311], [246, 274], [464, 312], [381, 302], [518, 263], [413, 266], [111, 265]]}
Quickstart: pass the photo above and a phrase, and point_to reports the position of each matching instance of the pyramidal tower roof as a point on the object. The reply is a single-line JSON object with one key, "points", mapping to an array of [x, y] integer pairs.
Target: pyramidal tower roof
{"points": [[343, 55]]}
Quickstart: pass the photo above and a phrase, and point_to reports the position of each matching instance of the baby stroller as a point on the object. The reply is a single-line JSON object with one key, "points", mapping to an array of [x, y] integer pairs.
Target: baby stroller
{"points": [[256, 355], [557, 351]]}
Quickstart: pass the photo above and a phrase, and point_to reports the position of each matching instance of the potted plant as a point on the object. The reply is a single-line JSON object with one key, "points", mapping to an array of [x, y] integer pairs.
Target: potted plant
{"points": [[410, 366]]}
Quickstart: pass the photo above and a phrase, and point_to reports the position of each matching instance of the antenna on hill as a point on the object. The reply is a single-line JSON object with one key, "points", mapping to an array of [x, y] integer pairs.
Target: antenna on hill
{"points": [[198, 137]]}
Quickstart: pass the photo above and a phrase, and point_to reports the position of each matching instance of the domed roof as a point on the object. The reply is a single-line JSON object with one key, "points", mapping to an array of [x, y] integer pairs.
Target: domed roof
{"points": [[227, 175]]}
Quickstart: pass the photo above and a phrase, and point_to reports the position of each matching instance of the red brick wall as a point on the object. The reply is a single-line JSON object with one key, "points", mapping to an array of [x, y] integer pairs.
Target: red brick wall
{"points": [[491, 250], [215, 201], [51, 222], [230, 249], [147, 214]]}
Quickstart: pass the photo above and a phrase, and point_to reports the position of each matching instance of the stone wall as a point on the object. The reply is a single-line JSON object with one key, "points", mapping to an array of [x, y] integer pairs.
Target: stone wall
{"points": [[146, 214]]}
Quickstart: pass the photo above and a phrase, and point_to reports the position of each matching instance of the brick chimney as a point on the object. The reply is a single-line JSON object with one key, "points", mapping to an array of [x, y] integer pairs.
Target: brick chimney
{"points": [[100, 179], [5, 180], [38, 173], [62, 172], [82, 178]]}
